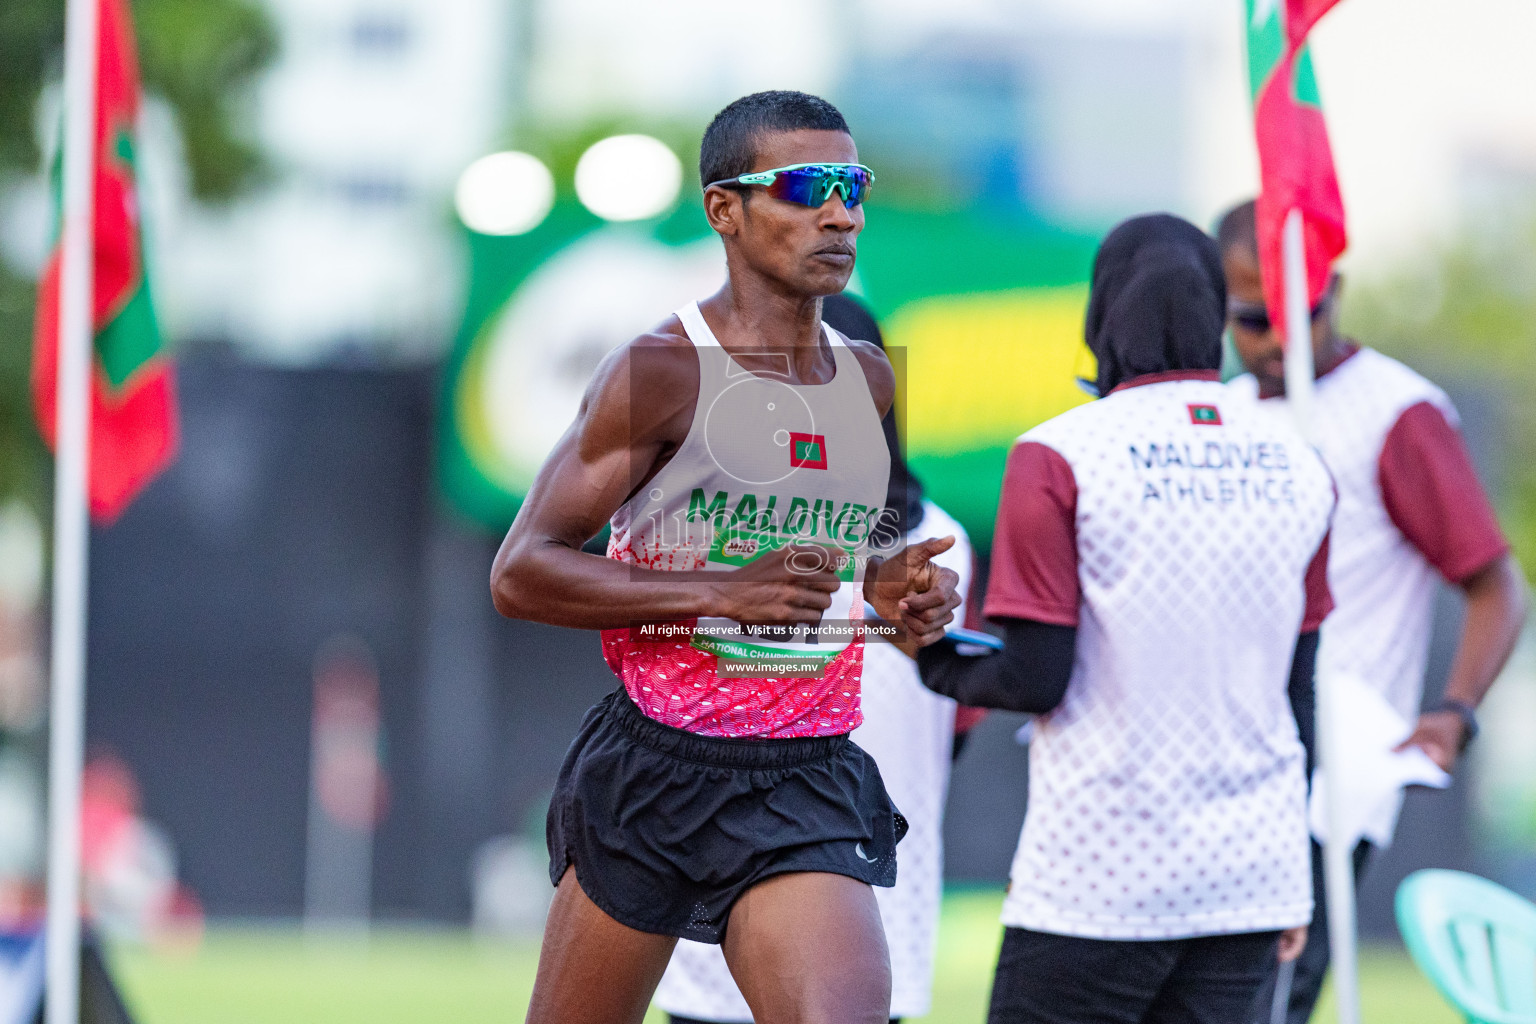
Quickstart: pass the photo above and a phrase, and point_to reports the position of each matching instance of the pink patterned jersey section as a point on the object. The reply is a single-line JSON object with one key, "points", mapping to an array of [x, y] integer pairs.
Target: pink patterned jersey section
{"points": [[676, 684]]}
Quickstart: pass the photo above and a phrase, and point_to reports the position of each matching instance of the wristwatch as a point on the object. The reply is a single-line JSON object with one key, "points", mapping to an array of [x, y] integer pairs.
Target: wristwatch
{"points": [[1468, 717]]}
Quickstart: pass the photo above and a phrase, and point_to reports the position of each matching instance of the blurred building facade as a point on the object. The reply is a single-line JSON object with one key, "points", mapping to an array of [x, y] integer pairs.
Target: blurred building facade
{"points": [[371, 112]]}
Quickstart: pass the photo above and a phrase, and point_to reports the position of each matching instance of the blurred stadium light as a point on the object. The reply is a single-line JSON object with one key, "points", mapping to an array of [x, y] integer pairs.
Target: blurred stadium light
{"points": [[504, 194], [628, 177]]}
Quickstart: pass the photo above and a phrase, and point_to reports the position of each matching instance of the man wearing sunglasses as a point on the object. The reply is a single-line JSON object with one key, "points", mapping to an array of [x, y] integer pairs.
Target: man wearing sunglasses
{"points": [[736, 452], [1410, 506]]}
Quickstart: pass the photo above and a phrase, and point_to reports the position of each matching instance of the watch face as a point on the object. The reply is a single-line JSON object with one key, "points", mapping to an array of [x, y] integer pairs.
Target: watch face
{"points": [[1469, 727]]}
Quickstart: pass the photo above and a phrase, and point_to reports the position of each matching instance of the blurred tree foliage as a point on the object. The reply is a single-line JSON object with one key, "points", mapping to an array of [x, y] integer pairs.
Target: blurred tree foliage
{"points": [[23, 462], [200, 56], [1469, 311], [23, 459]]}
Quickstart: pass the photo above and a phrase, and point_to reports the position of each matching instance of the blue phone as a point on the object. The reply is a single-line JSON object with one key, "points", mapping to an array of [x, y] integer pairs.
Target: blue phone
{"points": [[963, 638]]}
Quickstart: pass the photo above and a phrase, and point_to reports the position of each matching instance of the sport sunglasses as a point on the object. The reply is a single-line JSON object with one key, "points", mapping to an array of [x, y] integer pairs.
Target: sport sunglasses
{"points": [[1254, 317], [808, 184]]}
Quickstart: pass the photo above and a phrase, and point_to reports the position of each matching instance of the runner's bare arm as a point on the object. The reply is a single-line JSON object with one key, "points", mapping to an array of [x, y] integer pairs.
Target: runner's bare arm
{"points": [[636, 412]]}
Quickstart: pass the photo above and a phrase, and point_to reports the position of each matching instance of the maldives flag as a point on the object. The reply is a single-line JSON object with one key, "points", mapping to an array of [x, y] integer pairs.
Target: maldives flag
{"points": [[1295, 160], [133, 395]]}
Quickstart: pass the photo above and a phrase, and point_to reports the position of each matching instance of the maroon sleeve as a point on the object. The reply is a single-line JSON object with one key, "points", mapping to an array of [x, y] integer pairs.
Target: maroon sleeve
{"points": [[1319, 597], [966, 718], [973, 616], [1034, 548], [1432, 494]]}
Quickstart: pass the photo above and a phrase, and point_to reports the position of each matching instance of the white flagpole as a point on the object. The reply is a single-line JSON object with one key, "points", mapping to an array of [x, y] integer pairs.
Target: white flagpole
{"points": [[1299, 372], [66, 720], [1338, 862]]}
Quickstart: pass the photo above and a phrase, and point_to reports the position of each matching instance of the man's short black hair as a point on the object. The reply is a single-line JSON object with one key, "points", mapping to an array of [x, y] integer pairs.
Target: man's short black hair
{"points": [[730, 142], [1238, 229]]}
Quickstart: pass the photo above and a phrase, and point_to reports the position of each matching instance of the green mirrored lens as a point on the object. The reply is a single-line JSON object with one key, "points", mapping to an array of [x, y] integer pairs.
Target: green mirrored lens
{"points": [[812, 185]]}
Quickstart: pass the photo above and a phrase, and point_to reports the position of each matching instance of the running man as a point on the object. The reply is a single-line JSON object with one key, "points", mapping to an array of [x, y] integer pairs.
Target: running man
{"points": [[910, 732], [1158, 569], [737, 452], [1410, 506]]}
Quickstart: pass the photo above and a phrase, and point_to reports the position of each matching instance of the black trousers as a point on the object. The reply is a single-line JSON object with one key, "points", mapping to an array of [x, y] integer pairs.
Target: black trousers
{"points": [[1062, 979], [1312, 965]]}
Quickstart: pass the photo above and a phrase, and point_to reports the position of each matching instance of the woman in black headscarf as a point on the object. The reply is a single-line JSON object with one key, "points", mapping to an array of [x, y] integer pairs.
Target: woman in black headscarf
{"points": [[1158, 300], [1154, 651], [1157, 304]]}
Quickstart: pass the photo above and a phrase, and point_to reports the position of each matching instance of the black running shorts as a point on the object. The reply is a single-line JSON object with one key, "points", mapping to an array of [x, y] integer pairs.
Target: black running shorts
{"points": [[667, 829]]}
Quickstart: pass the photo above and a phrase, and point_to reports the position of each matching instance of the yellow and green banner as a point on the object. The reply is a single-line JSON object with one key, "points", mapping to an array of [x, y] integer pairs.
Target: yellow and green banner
{"points": [[982, 312]]}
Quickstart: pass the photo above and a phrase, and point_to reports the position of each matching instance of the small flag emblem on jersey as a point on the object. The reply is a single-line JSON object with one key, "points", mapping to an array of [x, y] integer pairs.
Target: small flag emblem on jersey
{"points": [[808, 451], [1207, 415]]}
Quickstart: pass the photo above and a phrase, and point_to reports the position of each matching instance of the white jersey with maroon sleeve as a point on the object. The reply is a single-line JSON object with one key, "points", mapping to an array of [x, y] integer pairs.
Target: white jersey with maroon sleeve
{"points": [[1383, 579], [909, 730], [1182, 528], [1410, 506]]}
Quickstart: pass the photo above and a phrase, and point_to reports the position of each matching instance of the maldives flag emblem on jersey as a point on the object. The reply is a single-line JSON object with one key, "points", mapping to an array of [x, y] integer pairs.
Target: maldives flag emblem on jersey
{"points": [[1205, 415], [1295, 159], [133, 397], [807, 451]]}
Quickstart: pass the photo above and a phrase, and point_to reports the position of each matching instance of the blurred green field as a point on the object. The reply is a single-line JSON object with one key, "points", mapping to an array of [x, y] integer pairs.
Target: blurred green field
{"points": [[250, 975]]}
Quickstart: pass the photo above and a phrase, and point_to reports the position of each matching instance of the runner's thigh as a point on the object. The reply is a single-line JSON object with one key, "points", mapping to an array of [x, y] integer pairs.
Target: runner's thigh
{"points": [[808, 948], [592, 969]]}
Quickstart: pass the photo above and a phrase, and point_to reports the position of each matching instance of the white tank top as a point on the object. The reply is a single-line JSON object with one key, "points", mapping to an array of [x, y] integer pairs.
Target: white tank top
{"points": [[765, 463]]}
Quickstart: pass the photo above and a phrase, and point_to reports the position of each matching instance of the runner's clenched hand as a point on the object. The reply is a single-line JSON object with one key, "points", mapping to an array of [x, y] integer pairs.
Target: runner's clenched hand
{"points": [[791, 584], [909, 587]]}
